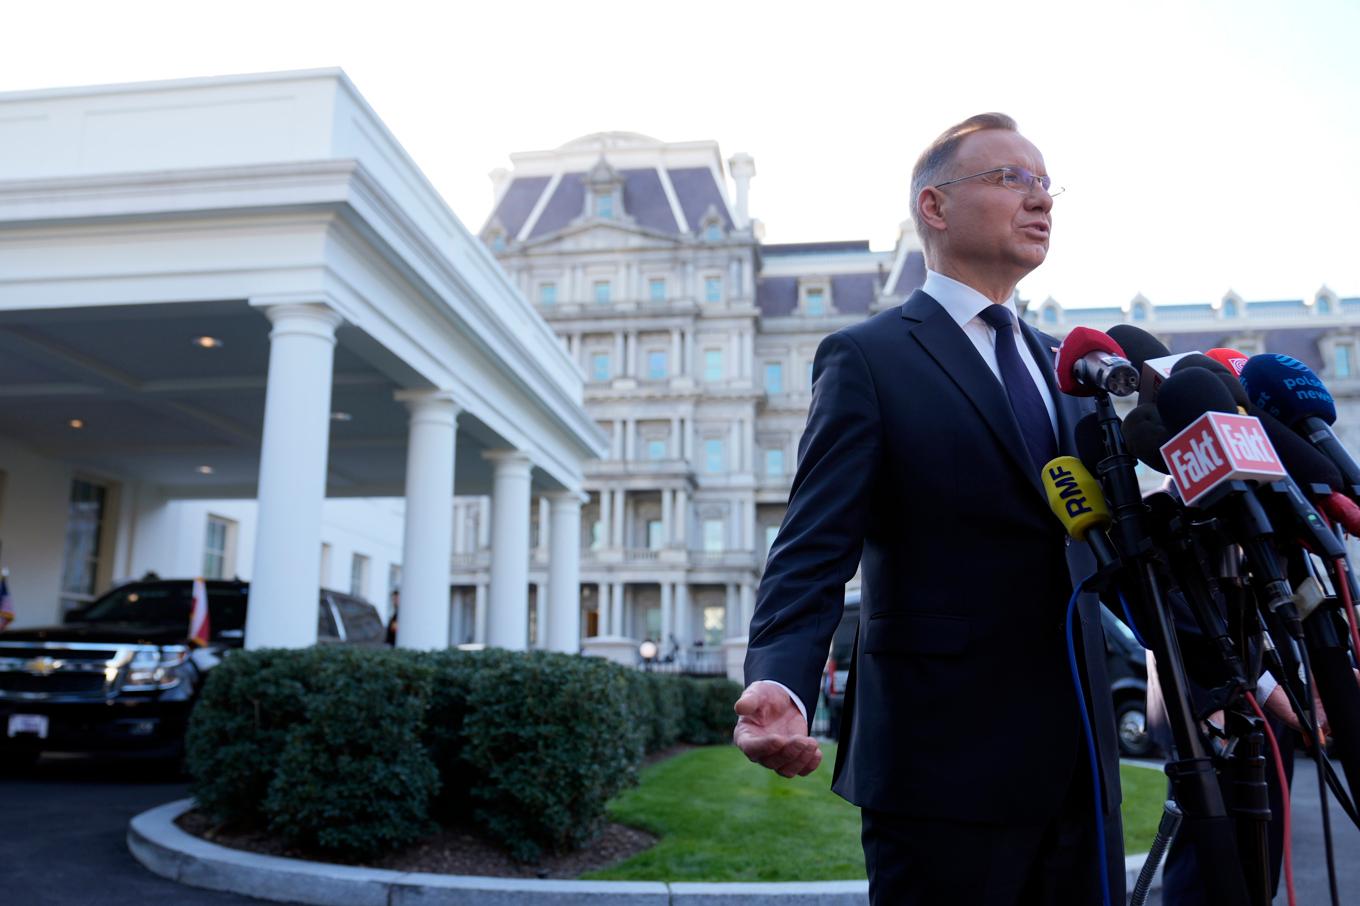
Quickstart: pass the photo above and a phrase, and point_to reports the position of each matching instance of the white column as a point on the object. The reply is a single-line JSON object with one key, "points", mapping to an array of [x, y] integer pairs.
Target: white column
{"points": [[630, 439], [667, 516], [428, 538], [540, 615], [616, 625], [479, 614], [673, 447], [507, 622], [619, 356], [632, 353], [564, 573], [687, 355], [483, 523], [667, 616], [602, 609], [682, 617], [682, 517], [619, 504], [748, 606], [543, 527], [734, 446], [687, 434], [674, 366], [616, 438], [734, 356], [292, 484], [606, 518], [732, 614], [459, 528]]}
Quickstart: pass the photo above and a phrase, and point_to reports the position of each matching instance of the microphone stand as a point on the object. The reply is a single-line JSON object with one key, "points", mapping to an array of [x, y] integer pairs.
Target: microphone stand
{"points": [[1193, 779]]}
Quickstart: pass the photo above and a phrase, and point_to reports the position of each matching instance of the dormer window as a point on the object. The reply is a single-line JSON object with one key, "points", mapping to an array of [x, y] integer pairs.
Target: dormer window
{"points": [[713, 233], [1140, 312], [816, 303], [1229, 308], [814, 297], [604, 192], [1324, 305], [712, 227]]}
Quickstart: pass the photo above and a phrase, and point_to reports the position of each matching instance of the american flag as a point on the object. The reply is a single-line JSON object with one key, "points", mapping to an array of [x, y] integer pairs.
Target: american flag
{"points": [[199, 629]]}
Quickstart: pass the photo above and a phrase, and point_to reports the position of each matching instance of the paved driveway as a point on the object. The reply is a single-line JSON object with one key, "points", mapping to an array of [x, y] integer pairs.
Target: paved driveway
{"points": [[64, 824]]}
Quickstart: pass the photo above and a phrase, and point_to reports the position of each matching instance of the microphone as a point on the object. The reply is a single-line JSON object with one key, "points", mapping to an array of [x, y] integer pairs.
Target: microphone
{"points": [[1075, 498], [1289, 390], [1229, 358], [1221, 371], [1138, 344], [1145, 434], [1089, 362], [1342, 510]]}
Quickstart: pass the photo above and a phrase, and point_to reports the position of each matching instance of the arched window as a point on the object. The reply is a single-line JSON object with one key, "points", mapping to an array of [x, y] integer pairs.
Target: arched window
{"points": [[1324, 305], [1140, 311], [1050, 315], [1229, 308]]}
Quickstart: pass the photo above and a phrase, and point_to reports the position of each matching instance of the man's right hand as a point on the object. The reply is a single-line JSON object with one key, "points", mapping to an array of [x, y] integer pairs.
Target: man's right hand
{"points": [[771, 731]]}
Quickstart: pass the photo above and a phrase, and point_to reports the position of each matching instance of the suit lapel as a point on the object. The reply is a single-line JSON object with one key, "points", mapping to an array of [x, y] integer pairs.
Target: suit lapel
{"points": [[951, 349]]}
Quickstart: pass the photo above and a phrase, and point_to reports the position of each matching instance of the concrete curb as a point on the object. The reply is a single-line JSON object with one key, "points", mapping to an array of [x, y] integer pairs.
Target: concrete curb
{"points": [[157, 842]]}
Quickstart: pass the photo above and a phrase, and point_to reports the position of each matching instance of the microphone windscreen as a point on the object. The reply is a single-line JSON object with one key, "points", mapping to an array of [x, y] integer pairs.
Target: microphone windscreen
{"points": [[1138, 344], [1230, 359], [1306, 465], [1090, 441], [1074, 496], [1145, 434], [1342, 510], [1287, 389], [1189, 394], [1225, 375], [1079, 343]]}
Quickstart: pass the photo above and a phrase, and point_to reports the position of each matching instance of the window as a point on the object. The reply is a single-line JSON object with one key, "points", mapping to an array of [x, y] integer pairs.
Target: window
{"points": [[771, 533], [599, 366], [656, 449], [816, 302], [218, 541], [325, 564], [1324, 305], [1140, 312], [596, 537], [84, 531], [602, 291], [656, 289], [604, 205], [774, 463], [713, 456], [654, 537], [1343, 360], [498, 242], [358, 576], [656, 365], [713, 289], [393, 578], [713, 232], [1230, 308], [1050, 315], [547, 293], [713, 535], [713, 365], [714, 617], [774, 377]]}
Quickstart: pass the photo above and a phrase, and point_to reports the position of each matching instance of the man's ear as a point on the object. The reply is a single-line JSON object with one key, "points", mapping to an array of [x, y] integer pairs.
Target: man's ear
{"points": [[931, 204]]}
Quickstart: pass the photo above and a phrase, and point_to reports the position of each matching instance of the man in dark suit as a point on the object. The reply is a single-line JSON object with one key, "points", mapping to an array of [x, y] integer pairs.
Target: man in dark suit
{"points": [[962, 741]]}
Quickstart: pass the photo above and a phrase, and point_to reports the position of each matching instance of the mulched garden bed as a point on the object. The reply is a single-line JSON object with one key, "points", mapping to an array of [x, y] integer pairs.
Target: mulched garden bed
{"points": [[453, 850]]}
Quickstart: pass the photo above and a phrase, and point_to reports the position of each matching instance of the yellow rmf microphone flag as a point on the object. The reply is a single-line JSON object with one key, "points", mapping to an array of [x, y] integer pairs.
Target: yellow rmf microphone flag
{"points": [[1075, 496]]}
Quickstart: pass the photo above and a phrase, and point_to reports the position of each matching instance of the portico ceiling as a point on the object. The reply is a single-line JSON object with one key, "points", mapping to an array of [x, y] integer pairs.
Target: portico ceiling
{"points": [[154, 405]]}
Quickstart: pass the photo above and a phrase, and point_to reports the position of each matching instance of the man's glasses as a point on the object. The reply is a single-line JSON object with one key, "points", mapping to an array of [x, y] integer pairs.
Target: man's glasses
{"points": [[1017, 179]]}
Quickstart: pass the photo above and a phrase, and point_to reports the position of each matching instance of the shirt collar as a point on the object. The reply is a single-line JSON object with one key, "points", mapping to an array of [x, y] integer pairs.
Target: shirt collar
{"points": [[961, 301]]}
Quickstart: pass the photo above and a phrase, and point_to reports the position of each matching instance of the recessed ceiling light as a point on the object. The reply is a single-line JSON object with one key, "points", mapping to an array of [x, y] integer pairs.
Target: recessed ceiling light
{"points": [[76, 423], [207, 342], [341, 417], [204, 470]]}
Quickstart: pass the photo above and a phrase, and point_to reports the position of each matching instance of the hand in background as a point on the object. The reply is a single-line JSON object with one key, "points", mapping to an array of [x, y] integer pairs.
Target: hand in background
{"points": [[771, 731]]}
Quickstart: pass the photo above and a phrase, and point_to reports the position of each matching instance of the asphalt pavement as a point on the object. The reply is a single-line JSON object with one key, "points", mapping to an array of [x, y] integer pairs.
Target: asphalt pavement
{"points": [[64, 828], [64, 824]]}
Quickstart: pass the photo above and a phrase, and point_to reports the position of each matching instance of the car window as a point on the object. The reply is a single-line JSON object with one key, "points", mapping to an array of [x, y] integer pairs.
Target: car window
{"points": [[325, 623], [845, 635], [362, 623], [170, 601]]}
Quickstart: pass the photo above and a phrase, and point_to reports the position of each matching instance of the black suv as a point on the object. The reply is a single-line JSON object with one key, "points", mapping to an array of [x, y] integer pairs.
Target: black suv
{"points": [[121, 675], [1124, 664]]}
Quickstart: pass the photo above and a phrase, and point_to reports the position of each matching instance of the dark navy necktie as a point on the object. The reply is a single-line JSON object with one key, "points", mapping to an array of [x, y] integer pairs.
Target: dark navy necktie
{"points": [[1035, 425]]}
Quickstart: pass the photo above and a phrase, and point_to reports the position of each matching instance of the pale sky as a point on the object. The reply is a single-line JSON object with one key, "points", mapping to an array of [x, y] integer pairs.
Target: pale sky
{"points": [[1205, 145]]}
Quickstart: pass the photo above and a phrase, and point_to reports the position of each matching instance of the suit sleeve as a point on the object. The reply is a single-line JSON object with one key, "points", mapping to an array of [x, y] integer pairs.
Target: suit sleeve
{"points": [[802, 594]]}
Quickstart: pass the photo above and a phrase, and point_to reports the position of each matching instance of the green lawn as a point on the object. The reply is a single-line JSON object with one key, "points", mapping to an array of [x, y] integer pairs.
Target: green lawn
{"points": [[721, 818]]}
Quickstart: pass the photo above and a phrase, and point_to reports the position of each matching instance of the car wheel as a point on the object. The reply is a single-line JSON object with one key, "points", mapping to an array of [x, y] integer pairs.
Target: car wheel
{"points": [[1131, 724]]}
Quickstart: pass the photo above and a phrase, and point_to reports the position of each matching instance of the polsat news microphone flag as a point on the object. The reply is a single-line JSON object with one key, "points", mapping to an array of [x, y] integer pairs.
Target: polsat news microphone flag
{"points": [[199, 628]]}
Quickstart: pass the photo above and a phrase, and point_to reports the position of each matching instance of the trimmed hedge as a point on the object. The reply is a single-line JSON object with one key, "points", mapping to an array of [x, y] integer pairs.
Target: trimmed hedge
{"points": [[352, 752]]}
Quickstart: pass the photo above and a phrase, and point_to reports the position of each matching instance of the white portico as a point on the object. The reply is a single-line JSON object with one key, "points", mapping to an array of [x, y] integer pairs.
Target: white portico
{"points": [[243, 287]]}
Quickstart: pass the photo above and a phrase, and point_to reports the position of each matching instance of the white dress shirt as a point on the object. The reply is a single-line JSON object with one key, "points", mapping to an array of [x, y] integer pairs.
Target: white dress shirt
{"points": [[966, 305]]}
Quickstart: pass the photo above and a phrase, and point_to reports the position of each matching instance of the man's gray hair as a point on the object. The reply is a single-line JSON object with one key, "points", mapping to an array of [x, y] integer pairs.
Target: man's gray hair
{"points": [[933, 165]]}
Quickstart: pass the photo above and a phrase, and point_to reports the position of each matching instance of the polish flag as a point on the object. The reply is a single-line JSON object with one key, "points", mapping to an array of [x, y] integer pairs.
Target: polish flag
{"points": [[199, 630]]}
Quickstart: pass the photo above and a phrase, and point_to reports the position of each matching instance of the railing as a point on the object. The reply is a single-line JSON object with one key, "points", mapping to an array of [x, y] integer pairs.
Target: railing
{"points": [[695, 661]]}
